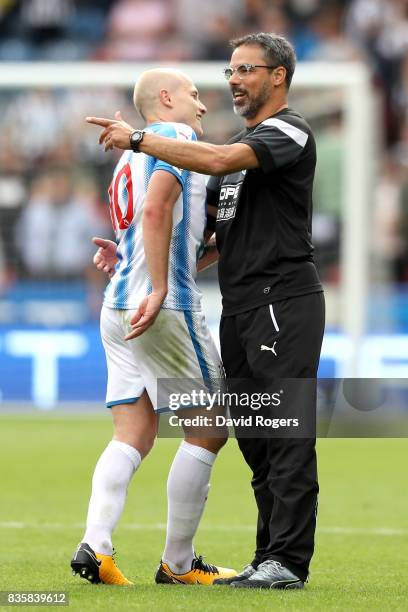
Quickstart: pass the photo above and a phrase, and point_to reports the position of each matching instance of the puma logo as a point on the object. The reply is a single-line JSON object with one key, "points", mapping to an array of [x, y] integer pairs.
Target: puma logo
{"points": [[268, 348]]}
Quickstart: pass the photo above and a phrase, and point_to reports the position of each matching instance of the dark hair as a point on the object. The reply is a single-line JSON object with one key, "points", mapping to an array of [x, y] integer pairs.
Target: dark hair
{"points": [[277, 50]]}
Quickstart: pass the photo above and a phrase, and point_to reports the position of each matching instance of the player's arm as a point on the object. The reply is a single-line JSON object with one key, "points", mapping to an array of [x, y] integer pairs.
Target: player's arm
{"points": [[202, 157], [162, 194]]}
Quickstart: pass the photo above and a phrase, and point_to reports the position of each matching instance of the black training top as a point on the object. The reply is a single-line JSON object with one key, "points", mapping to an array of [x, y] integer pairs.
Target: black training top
{"points": [[264, 217]]}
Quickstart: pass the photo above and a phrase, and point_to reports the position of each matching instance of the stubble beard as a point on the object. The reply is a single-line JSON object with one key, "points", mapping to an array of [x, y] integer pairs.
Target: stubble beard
{"points": [[253, 106]]}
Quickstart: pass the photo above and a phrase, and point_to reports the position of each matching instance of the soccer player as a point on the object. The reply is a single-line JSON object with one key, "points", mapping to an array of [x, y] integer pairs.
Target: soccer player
{"points": [[272, 296], [158, 214]]}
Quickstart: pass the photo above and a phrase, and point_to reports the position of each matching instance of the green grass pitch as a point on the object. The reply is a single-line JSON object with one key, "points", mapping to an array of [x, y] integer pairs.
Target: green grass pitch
{"points": [[46, 463]]}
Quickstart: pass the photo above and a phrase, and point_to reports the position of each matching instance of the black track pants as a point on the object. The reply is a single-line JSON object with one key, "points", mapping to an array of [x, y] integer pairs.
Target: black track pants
{"points": [[284, 469]]}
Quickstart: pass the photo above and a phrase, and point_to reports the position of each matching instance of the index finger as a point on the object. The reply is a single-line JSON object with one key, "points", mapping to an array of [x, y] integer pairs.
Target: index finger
{"points": [[100, 121]]}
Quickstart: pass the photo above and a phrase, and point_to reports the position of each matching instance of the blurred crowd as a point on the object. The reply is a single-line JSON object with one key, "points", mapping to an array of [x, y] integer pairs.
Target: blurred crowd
{"points": [[53, 175]]}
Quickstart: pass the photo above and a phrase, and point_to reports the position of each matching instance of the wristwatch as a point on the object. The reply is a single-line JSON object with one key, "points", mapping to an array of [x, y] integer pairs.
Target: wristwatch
{"points": [[136, 138]]}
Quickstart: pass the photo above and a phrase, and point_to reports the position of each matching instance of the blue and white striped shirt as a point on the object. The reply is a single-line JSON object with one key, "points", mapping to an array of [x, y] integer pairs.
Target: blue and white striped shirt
{"points": [[127, 193]]}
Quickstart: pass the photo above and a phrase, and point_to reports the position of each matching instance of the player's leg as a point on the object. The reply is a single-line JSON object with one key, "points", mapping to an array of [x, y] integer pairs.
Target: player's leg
{"points": [[136, 424], [135, 427], [179, 349], [187, 491]]}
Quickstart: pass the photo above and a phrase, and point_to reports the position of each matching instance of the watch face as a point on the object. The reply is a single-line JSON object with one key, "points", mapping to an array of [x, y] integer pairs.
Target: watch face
{"points": [[136, 137], [135, 140]]}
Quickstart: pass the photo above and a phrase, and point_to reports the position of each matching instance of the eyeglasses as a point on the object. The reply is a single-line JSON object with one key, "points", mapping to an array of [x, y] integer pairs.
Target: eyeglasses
{"points": [[243, 70]]}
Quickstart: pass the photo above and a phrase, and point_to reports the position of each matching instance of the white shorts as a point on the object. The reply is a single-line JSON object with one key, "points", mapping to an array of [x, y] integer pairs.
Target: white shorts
{"points": [[178, 345]]}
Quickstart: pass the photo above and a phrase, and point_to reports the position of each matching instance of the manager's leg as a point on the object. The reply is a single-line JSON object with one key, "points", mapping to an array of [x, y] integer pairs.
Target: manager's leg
{"points": [[293, 479], [292, 475], [254, 451]]}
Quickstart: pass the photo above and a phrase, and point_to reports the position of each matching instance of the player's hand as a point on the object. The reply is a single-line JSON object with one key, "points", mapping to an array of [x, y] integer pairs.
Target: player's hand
{"points": [[116, 132], [145, 315], [105, 257]]}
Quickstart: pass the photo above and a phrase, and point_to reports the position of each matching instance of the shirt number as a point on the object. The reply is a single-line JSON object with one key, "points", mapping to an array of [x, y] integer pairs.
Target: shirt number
{"points": [[120, 220]]}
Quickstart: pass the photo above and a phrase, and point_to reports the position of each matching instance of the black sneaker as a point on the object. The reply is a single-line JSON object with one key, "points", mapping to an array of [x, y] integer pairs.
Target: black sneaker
{"points": [[246, 573], [85, 563], [271, 575]]}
